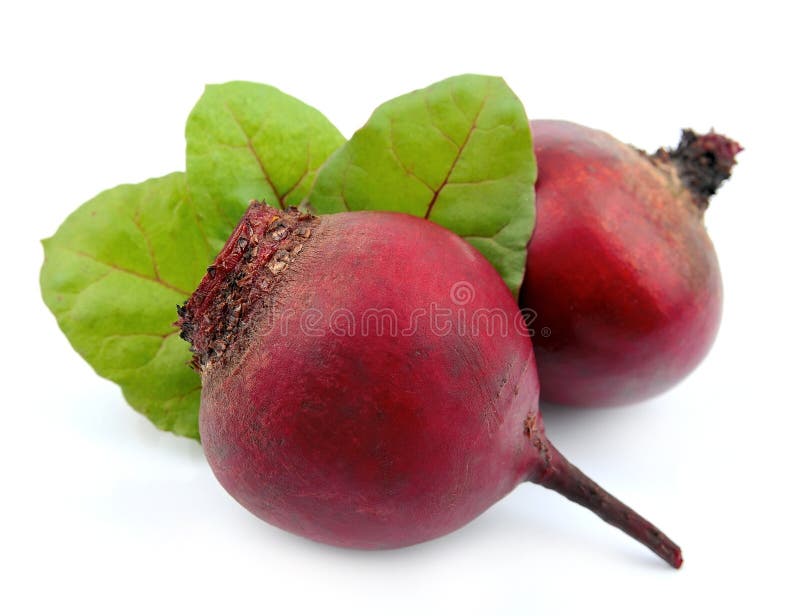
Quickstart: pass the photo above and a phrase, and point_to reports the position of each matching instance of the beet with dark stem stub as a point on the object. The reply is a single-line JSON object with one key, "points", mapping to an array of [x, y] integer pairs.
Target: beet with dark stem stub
{"points": [[368, 382], [621, 273]]}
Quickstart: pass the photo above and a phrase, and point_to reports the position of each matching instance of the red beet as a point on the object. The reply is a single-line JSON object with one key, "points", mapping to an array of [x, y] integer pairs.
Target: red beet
{"points": [[352, 390], [621, 273]]}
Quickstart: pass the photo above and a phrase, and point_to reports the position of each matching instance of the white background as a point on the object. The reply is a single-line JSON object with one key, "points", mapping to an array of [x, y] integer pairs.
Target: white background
{"points": [[101, 513]]}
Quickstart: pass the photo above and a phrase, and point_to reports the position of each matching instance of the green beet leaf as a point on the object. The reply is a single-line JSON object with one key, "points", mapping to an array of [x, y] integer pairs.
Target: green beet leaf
{"points": [[457, 153], [112, 275], [249, 141]]}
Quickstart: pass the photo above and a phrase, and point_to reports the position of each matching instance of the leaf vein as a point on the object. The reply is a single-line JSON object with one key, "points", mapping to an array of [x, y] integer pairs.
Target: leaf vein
{"points": [[302, 177], [251, 147], [393, 149], [433, 119], [148, 245], [457, 157], [124, 270], [144, 335]]}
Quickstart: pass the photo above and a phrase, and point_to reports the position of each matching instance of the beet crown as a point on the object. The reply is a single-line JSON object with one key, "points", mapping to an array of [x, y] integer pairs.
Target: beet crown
{"points": [[216, 318], [703, 162]]}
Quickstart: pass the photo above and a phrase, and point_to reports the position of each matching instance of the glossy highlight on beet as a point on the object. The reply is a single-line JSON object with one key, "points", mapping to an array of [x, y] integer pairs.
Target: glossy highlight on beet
{"points": [[621, 272], [365, 435]]}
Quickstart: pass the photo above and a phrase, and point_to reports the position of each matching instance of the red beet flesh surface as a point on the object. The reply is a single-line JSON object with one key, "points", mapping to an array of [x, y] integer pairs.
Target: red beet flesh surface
{"points": [[621, 273], [361, 437]]}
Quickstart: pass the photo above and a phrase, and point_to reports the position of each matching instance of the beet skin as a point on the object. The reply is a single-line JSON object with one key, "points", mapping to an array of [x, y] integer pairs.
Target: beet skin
{"points": [[621, 273], [359, 387]]}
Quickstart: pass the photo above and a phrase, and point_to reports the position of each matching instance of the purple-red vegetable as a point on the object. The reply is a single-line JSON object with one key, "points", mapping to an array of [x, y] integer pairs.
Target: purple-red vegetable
{"points": [[325, 423], [621, 273]]}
